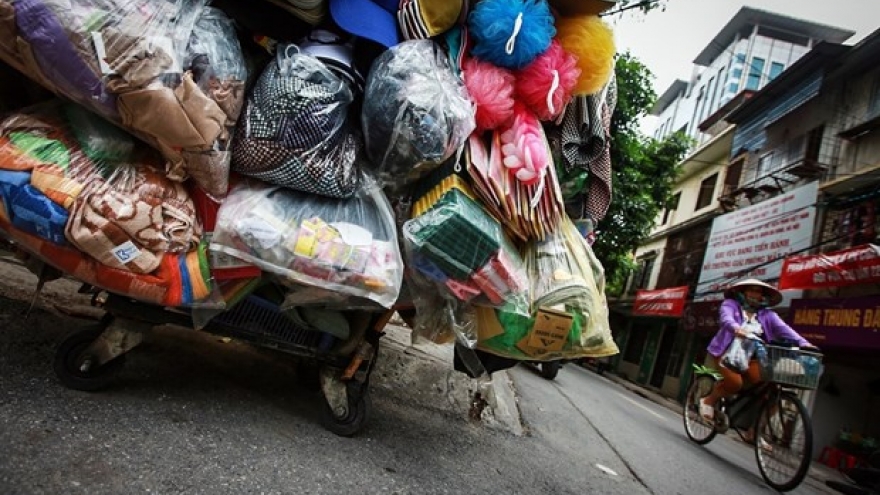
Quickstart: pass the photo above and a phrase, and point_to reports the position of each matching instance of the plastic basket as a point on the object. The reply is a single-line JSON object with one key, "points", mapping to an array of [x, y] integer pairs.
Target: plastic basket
{"points": [[258, 320], [791, 367]]}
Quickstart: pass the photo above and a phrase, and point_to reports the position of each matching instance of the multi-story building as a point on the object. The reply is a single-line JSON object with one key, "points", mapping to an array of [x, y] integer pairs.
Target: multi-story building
{"points": [[800, 180], [751, 50]]}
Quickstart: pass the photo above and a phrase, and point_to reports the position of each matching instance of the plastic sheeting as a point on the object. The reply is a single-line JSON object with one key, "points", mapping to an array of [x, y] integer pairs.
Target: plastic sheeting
{"points": [[344, 246]]}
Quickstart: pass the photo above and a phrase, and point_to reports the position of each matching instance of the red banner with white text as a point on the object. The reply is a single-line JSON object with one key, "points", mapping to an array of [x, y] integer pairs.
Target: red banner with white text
{"points": [[857, 265], [661, 302]]}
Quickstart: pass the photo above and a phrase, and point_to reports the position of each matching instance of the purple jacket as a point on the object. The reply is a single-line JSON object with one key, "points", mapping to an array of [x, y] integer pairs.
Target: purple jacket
{"points": [[730, 317]]}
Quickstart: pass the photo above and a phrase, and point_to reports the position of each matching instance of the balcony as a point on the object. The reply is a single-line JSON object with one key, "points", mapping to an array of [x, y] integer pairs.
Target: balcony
{"points": [[774, 182]]}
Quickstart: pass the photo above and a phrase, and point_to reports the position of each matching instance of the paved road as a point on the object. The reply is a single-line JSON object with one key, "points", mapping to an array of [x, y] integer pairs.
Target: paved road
{"points": [[647, 441], [192, 414]]}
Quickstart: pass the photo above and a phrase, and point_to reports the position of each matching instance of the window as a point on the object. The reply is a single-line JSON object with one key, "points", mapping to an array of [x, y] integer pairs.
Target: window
{"points": [[671, 208], [874, 102], [755, 71], [733, 87], [736, 74], [765, 163], [707, 191], [642, 275], [698, 106], [713, 93], [776, 68]]}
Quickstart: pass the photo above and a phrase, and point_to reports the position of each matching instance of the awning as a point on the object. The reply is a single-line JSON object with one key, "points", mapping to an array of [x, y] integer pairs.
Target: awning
{"points": [[852, 323], [661, 302], [853, 266]]}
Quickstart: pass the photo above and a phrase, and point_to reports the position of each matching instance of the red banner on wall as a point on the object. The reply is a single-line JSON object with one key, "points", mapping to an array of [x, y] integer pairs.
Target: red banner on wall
{"points": [[661, 302], [858, 265]]}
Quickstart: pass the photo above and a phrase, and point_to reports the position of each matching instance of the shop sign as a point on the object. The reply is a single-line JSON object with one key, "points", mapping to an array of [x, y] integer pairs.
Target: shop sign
{"points": [[753, 241], [853, 322], [853, 266], [701, 317], [661, 302]]}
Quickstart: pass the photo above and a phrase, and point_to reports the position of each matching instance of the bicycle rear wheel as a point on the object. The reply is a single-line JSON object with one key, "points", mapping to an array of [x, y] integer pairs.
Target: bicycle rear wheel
{"points": [[784, 442], [697, 428]]}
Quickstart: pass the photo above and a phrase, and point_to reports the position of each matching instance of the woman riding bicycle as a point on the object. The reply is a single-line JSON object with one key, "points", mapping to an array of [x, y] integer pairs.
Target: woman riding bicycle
{"points": [[745, 313]]}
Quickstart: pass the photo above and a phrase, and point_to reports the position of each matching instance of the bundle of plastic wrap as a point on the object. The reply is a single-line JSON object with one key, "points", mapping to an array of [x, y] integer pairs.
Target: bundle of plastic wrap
{"points": [[570, 314], [296, 130], [94, 202], [344, 246], [171, 72], [416, 111]]}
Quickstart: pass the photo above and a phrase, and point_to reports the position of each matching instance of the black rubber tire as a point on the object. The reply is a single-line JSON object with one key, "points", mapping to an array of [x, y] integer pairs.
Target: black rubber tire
{"points": [[69, 356], [779, 428], [697, 428], [359, 412], [549, 369]]}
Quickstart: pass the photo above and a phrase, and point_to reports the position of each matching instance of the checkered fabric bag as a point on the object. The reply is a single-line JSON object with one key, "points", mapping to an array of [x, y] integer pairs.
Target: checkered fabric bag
{"points": [[295, 131]]}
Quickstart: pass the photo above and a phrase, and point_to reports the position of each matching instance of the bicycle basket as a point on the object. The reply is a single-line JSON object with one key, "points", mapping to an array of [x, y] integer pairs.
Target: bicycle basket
{"points": [[791, 367]]}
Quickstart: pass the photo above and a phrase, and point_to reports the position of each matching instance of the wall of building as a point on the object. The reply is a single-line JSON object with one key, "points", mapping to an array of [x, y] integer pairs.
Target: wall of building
{"points": [[857, 100], [747, 63]]}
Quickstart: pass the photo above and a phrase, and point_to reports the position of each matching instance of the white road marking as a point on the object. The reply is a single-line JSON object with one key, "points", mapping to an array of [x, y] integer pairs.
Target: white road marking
{"points": [[640, 405], [606, 469]]}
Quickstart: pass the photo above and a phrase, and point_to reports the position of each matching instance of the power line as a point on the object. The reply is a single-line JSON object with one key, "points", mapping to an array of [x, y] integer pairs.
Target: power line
{"points": [[643, 3]]}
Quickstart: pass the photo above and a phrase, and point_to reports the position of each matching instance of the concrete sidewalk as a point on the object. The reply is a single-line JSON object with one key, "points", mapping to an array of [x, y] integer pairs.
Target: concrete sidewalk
{"points": [[816, 477]]}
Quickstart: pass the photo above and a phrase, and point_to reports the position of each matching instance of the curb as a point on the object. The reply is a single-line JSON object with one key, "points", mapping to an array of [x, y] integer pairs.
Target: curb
{"points": [[426, 371]]}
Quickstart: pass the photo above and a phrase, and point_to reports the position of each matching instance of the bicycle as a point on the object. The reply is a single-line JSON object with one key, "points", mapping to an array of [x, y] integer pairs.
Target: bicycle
{"points": [[783, 433]]}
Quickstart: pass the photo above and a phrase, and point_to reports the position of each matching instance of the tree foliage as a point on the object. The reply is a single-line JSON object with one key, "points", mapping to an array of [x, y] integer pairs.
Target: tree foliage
{"points": [[644, 173]]}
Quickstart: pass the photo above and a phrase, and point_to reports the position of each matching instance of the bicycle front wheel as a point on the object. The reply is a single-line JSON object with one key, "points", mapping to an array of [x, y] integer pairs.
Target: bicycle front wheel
{"points": [[784, 442], [697, 428]]}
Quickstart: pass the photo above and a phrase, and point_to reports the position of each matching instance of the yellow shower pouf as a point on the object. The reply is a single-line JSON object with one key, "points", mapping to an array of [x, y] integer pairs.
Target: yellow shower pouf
{"points": [[592, 41]]}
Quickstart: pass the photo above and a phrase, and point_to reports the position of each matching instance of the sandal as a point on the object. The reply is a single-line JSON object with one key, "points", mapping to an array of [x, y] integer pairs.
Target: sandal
{"points": [[750, 439], [707, 411]]}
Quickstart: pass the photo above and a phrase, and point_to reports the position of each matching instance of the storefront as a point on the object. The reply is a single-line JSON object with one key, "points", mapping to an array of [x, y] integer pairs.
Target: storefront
{"points": [[652, 342], [843, 319], [848, 398]]}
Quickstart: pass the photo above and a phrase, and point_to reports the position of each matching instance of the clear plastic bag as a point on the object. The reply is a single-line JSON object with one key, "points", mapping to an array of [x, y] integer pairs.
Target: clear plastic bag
{"points": [[346, 246], [171, 71], [416, 111], [116, 204], [738, 354], [457, 248], [570, 314], [295, 130], [92, 202]]}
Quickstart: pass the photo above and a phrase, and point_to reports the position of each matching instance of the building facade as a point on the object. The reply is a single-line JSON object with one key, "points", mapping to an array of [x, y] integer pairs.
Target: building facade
{"points": [[753, 48], [801, 180]]}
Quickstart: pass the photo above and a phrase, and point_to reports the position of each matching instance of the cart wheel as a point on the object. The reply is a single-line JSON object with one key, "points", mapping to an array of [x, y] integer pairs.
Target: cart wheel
{"points": [[350, 423], [72, 366], [549, 369]]}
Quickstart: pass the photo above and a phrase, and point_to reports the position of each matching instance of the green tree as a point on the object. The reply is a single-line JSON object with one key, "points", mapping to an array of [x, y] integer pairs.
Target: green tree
{"points": [[644, 172]]}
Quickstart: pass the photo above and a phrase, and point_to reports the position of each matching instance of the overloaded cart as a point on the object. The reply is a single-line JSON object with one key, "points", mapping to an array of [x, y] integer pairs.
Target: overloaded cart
{"points": [[282, 171]]}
